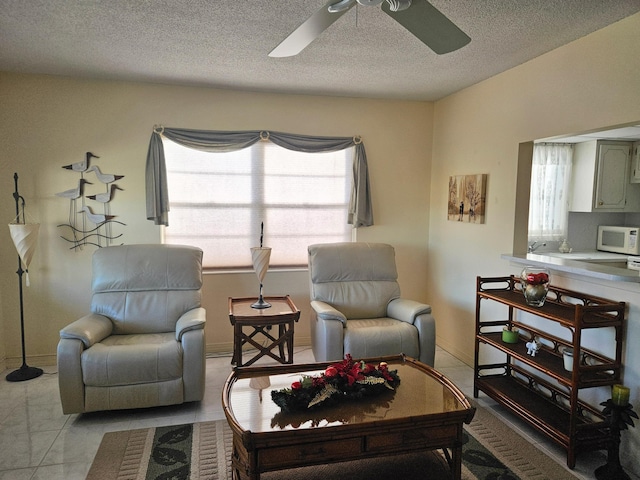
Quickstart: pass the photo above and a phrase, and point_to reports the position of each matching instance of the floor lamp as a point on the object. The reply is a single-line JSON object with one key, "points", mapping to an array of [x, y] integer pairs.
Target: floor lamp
{"points": [[25, 238]]}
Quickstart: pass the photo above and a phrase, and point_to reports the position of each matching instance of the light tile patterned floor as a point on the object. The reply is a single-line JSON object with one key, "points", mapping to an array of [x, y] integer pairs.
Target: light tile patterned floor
{"points": [[38, 442]]}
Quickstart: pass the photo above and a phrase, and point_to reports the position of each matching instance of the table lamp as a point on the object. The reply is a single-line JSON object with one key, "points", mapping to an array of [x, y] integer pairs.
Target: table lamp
{"points": [[260, 257]]}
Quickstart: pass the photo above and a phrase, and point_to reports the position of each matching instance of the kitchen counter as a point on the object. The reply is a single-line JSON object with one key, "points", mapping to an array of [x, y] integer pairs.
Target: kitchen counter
{"points": [[595, 264]]}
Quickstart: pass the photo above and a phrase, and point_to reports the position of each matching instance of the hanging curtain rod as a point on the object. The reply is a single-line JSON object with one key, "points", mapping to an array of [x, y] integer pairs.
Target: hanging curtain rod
{"points": [[558, 144]]}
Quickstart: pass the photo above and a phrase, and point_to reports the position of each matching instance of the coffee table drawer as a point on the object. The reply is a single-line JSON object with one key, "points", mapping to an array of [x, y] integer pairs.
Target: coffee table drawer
{"points": [[308, 453], [412, 439]]}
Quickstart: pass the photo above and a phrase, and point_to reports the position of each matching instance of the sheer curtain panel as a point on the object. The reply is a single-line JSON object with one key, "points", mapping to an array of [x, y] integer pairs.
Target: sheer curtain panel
{"points": [[549, 197]]}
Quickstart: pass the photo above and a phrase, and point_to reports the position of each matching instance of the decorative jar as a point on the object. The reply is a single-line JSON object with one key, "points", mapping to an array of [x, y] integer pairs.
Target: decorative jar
{"points": [[535, 285], [510, 335], [567, 358]]}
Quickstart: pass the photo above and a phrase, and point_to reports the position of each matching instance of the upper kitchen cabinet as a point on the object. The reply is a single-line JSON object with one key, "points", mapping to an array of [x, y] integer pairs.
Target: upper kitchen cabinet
{"points": [[601, 178]]}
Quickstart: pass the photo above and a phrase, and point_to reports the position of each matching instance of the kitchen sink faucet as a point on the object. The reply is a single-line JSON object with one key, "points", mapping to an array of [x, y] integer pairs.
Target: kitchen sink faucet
{"points": [[534, 246]]}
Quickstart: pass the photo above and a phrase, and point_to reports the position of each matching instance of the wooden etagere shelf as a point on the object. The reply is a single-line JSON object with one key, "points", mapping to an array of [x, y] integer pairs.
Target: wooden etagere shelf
{"points": [[538, 388]]}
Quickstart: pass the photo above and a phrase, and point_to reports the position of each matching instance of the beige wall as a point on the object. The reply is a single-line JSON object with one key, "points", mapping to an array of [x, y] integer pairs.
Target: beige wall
{"points": [[47, 122], [588, 84]]}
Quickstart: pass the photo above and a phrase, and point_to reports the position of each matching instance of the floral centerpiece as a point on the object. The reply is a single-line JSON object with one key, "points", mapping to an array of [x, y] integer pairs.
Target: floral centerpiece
{"points": [[347, 380]]}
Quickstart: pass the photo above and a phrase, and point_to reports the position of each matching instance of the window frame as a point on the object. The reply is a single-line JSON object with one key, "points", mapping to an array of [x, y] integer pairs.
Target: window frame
{"points": [[258, 155]]}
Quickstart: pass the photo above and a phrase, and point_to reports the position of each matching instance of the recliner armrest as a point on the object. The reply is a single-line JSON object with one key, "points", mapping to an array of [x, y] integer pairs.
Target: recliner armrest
{"points": [[90, 329], [193, 319], [327, 312], [406, 310]]}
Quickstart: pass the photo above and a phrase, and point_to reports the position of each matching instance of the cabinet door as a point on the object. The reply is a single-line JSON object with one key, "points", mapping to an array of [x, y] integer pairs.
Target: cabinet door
{"points": [[612, 176], [635, 163]]}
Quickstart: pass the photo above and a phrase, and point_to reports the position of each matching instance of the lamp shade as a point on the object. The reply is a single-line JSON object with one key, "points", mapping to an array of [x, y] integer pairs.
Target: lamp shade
{"points": [[260, 383], [260, 257], [25, 239]]}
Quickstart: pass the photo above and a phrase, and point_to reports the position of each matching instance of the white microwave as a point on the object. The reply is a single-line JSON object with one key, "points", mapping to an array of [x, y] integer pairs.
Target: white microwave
{"points": [[619, 240]]}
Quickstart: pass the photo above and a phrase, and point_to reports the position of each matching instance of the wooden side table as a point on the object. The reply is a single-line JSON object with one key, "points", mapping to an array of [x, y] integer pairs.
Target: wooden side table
{"points": [[283, 313]]}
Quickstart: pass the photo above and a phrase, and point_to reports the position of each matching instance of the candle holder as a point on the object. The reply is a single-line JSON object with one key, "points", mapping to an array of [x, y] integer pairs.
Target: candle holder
{"points": [[618, 417]]}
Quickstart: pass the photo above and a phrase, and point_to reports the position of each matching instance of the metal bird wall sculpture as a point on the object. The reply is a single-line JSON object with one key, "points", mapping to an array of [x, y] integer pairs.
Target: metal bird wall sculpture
{"points": [[97, 218], [104, 177], [83, 165], [105, 198], [101, 234]]}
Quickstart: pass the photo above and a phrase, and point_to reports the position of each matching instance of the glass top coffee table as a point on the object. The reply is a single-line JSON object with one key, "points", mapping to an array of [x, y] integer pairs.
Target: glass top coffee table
{"points": [[425, 412]]}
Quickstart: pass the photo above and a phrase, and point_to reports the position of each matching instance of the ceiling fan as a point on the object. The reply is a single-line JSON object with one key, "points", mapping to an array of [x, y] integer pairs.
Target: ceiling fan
{"points": [[418, 16]]}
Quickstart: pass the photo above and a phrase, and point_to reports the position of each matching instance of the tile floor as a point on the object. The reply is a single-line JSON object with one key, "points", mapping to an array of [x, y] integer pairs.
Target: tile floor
{"points": [[38, 442]]}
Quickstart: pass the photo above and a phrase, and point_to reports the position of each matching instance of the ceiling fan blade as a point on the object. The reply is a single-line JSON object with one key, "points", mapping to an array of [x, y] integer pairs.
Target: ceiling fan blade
{"points": [[430, 26], [308, 31]]}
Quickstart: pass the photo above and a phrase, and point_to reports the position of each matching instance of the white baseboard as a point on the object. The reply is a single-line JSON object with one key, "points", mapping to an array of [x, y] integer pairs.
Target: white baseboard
{"points": [[11, 363], [462, 355]]}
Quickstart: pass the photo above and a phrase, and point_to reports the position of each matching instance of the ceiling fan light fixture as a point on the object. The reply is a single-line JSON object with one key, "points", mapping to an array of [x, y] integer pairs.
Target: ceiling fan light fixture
{"points": [[423, 20], [340, 6], [398, 5]]}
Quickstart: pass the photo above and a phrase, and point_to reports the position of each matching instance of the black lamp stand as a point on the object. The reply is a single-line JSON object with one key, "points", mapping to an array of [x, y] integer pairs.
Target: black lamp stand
{"points": [[25, 372]]}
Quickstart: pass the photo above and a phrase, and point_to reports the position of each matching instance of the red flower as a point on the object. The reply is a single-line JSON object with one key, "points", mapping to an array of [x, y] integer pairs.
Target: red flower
{"points": [[352, 373], [331, 371], [296, 385], [385, 371], [537, 278], [368, 368], [319, 381]]}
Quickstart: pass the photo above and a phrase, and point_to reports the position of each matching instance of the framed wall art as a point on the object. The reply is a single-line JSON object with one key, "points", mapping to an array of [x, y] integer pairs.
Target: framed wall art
{"points": [[467, 198]]}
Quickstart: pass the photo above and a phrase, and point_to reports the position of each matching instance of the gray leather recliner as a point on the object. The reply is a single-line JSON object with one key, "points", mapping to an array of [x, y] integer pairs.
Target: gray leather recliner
{"points": [[143, 343], [356, 306]]}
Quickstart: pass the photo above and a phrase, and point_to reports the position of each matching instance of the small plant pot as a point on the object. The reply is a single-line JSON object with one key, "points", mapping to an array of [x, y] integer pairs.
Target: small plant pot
{"points": [[510, 336]]}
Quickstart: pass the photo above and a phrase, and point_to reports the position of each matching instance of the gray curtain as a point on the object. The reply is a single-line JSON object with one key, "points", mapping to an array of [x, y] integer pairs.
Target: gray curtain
{"points": [[360, 212]]}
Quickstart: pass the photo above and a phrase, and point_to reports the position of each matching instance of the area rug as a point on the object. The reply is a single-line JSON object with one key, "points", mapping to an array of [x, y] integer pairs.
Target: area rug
{"points": [[202, 451]]}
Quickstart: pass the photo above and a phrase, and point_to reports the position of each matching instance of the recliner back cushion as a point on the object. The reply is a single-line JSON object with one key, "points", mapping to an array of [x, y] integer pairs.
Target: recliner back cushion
{"points": [[145, 288], [359, 279]]}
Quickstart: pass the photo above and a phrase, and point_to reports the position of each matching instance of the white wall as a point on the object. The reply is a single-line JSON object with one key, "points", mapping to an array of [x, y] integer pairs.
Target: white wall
{"points": [[588, 84], [47, 122]]}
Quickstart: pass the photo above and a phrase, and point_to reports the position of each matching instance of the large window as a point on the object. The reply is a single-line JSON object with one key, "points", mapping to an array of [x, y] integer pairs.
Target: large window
{"points": [[549, 198], [218, 201]]}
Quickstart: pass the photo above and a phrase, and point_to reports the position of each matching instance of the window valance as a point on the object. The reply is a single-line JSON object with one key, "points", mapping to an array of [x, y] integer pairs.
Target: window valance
{"points": [[360, 211]]}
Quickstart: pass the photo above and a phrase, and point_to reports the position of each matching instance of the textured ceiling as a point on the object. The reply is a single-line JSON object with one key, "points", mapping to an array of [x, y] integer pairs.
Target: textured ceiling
{"points": [[225, 43]]}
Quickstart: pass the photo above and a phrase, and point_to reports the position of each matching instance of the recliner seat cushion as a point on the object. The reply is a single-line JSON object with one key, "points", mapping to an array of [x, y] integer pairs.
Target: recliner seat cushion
{"points": [[380, 336], [132, 359]]}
